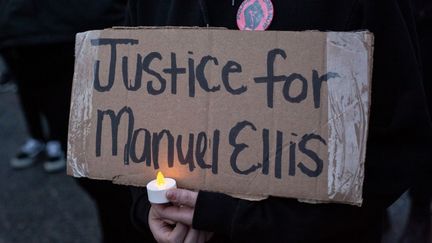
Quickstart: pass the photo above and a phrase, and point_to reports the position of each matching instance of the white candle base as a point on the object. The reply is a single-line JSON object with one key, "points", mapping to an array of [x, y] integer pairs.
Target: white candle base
{"points": [[157, 194]]}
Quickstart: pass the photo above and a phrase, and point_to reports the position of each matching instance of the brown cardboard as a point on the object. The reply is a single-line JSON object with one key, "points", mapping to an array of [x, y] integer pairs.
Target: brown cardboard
{"points": [[319, 110]]}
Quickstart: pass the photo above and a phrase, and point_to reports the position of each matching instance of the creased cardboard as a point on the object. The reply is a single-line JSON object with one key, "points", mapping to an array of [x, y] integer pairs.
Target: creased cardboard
{"points": [[245, 113]]}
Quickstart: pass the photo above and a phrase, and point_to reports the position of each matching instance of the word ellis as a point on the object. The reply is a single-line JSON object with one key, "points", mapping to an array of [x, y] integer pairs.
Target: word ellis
{"points": [[196, 73]]}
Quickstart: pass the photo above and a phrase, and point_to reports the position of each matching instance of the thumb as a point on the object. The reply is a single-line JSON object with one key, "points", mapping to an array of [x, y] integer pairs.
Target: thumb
{"points": [[182, 197]]}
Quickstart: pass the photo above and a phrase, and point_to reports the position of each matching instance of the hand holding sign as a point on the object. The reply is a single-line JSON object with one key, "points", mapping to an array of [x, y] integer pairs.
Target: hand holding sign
{"points": [[181, 212]]}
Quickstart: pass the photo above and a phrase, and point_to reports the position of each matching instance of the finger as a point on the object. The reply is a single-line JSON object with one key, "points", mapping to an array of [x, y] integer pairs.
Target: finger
{"points": [[168, 221], [158, 208], [178, 234], [177, 214], [159, 211], [192, 236], [182, 197], [160, 229]]}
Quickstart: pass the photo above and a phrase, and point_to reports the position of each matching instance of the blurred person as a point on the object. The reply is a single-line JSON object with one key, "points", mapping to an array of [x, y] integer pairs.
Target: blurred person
{"points": [[37, 40], [6, 82], [43, 77], [398, 126], [418, 226]]}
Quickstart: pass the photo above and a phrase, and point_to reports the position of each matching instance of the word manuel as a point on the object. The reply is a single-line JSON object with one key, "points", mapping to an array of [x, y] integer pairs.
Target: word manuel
{"points": [[197, 146]]}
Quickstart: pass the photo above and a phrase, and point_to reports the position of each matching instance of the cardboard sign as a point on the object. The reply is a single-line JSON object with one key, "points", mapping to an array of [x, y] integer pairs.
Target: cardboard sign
{"points": [[245, 113]]}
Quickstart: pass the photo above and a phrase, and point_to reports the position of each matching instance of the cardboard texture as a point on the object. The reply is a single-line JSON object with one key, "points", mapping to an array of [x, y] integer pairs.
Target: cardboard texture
{"points": [[250, 114]]}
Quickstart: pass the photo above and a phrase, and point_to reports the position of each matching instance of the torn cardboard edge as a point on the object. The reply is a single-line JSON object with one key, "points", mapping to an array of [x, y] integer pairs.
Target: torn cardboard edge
{"points": [[347, 178]]}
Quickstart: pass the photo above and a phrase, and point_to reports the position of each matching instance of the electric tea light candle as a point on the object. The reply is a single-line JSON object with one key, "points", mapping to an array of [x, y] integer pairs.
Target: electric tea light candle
{"points": [[156, 189]]}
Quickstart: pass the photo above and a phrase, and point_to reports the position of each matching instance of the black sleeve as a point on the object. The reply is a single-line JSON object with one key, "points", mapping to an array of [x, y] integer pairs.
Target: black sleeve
{"points": [[399, 123], [140, 208], [284, 220], [398, 127]]}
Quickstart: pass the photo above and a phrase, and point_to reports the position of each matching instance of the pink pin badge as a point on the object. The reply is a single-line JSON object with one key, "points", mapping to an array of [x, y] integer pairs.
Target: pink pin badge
{"points": [[255, 15]]}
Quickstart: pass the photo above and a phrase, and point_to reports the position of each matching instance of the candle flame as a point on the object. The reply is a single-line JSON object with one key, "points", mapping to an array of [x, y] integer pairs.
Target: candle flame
{"points": [[160, 179]]}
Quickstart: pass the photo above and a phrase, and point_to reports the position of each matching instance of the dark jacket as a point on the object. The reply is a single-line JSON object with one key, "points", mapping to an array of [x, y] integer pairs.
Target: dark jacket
{"points": [[399, 124], [423, 13], [30, 22]]}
